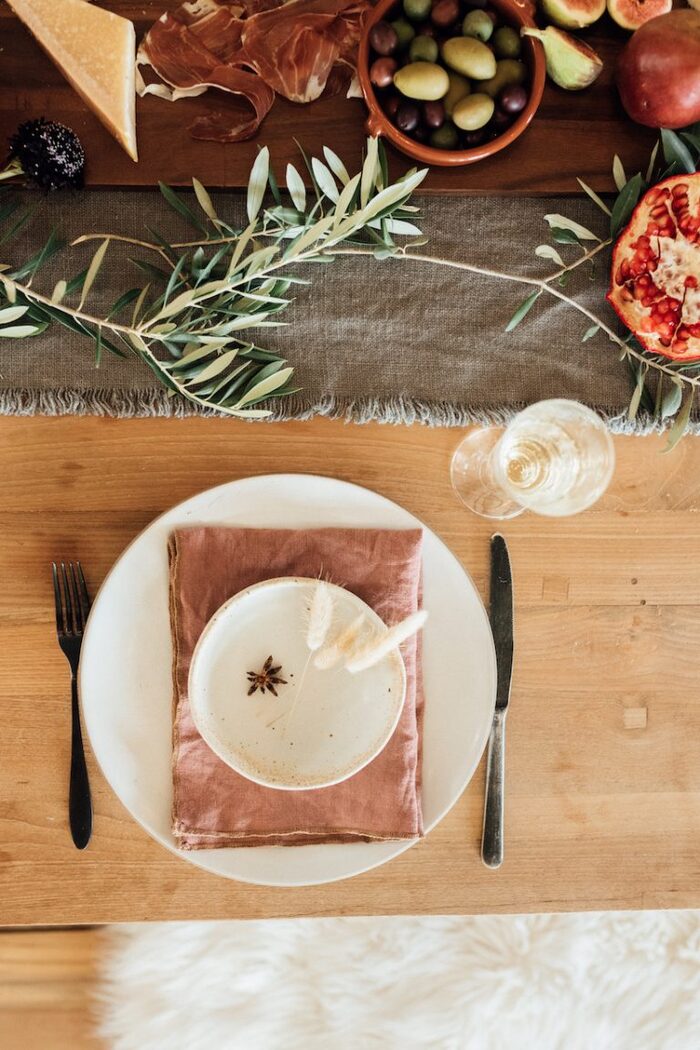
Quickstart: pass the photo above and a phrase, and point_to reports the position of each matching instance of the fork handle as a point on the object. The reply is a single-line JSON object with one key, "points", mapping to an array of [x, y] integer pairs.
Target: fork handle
{"points": [[79, 801], [492, 837]]}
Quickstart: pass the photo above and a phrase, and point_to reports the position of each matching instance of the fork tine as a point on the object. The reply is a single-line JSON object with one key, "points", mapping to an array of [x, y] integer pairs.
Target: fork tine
{"points": [[60, 619], [83, 591], [71, 625], [75, 598]]}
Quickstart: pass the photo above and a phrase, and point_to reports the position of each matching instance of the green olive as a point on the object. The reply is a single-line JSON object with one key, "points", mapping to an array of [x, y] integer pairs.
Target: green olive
{"points": [[508, 71], [473, 112], [459, 88], [506, 42], [477, 24], [425, 81], [423, 49], [469, 57], [404, 31], [445, 137], [417, 10]]}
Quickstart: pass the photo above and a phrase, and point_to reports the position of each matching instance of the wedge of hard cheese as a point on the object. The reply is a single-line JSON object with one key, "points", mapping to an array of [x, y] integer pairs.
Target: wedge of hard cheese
{"points": [[95, 50]]}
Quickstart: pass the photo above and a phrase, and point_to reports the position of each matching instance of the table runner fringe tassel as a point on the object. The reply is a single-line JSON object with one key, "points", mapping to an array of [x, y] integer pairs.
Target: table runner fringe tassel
{"points": [[398, 410]]}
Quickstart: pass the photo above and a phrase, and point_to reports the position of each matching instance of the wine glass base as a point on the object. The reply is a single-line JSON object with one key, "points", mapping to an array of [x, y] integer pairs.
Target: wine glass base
{"points": [[472, 478]]}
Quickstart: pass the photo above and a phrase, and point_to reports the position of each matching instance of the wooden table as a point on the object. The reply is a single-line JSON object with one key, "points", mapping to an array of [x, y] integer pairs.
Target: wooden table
{"points": [[574, 132], [603, 807]]}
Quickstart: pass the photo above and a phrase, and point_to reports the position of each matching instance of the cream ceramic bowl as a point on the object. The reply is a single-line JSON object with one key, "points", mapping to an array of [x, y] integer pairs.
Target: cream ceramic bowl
{"points": [[340, 721]]}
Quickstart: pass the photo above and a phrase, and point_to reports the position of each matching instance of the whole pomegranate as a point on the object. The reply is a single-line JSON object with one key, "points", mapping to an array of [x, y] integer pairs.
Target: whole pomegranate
{"points": [[655, 279], [658, 72]]}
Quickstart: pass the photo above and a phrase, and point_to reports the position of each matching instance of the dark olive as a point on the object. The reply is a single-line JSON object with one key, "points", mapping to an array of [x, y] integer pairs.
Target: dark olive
{"points": [[420, 134], [383, 39], [382, 70], [500, 119], [506, 42], [493, 15], [407, 116], [444, 13], [512, 99], [476, 3], [391, 105], [473, 138], [426, 30], [434, 114]]}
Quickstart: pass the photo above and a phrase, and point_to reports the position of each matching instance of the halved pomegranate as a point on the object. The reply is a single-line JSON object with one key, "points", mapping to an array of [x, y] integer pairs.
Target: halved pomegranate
{"points": [[655, 280]]}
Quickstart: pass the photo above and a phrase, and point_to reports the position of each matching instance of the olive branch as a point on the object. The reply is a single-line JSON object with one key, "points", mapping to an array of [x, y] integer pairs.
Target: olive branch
{"points": [[189, 322], [184, 322]]}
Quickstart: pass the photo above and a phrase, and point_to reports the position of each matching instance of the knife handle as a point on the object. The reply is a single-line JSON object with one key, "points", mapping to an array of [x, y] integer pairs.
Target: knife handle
{"points": [[492, 837]]}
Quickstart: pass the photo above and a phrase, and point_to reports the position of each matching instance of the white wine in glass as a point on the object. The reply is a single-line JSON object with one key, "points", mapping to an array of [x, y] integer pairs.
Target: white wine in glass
{"points": [[555, 458]]}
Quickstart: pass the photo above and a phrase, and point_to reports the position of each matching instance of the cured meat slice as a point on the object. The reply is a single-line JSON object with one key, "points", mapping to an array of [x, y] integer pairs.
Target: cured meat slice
{"points": [[251, 49], [198, 47], [294, 47]]}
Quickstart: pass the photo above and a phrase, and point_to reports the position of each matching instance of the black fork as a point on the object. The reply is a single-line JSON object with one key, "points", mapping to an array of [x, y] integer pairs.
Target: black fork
{"points": [[72, 608]]}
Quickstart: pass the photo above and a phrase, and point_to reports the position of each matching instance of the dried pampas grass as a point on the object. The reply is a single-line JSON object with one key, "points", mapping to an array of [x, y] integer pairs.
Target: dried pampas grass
{"points": [[320, 616], [342, 646], [379, 647]]}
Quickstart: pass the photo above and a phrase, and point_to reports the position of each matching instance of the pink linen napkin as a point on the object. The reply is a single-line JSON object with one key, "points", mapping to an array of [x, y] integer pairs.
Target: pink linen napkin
{"points": [[213, 806]]}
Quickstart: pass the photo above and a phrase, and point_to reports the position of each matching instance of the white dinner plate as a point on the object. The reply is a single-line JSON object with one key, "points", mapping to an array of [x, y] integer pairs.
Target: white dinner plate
{"points": [[126, 671], [313, 728]]}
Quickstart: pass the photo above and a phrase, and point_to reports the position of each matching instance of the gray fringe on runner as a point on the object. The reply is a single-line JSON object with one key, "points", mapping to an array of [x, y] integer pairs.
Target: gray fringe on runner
{"points": [[406, 410]]}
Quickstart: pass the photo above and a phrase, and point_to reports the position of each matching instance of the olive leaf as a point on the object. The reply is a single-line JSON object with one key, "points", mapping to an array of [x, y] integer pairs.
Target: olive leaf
{"points": [[257, 184], [325, 180], [676, 151], [619, 176], [636, 399], [204, 200], [296, 187], [336, 165], [546, 251], [672, 399], [652, 162], [560, 222], [681, 422], [12, 313], [590, 332], [594, 196], [625, 204], [523, 309], [92, 271]]}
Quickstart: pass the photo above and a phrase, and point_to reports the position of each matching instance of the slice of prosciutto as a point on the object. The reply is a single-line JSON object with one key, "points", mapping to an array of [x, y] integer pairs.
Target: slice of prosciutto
{"points": [[251, 50]]}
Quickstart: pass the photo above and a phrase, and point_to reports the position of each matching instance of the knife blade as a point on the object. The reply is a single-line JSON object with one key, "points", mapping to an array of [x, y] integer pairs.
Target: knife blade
{"points": [[501, 617]]}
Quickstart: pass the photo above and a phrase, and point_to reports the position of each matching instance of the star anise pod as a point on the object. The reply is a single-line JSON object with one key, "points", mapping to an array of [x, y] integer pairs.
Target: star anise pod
{"points": [[268, 678]]}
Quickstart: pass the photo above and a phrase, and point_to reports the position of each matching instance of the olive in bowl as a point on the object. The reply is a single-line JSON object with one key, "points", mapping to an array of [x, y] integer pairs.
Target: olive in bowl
{"points": [[463, 89]]}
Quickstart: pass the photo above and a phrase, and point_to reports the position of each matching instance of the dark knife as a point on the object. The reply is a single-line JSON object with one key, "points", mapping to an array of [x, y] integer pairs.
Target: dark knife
{"points": [[501, 617]]}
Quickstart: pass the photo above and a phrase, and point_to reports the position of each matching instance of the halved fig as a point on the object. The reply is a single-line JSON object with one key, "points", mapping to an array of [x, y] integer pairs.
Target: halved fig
{"points": [[573, 14], [631, 14]]}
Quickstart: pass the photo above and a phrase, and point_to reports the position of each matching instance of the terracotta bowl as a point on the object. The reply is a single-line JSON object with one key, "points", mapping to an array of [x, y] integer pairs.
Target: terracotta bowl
{"points": [[515, 13]]}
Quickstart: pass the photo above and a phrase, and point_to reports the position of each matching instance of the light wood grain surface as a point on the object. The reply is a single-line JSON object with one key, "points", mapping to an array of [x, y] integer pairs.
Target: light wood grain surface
{"points": [[46, 983], [574, 133], [603, 773]]}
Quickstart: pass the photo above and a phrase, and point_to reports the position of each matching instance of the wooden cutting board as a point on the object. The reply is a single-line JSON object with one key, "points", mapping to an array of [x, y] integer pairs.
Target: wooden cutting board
{"points": [[574, 133]]}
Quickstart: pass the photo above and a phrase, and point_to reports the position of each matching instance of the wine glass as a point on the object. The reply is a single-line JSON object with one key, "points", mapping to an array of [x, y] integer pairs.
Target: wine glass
{"points": [[554, 458]]}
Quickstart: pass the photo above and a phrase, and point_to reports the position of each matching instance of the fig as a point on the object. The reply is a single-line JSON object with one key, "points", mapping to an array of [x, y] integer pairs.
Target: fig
{"points": [[658, 71], [631, 14], [570, 63], [576, 14]]}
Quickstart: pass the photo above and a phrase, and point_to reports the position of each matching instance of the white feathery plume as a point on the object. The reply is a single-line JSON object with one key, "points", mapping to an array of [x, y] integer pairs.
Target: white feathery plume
{"points": [[342, 645], [320, 616], [377, 649]]}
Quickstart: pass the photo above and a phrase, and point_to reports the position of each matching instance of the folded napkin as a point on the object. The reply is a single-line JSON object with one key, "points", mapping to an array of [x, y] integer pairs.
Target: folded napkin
{"points": [[212, 805]]}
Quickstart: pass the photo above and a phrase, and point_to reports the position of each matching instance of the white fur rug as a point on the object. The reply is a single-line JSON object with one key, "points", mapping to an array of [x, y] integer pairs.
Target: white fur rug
{"points": [[611, 981]]}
